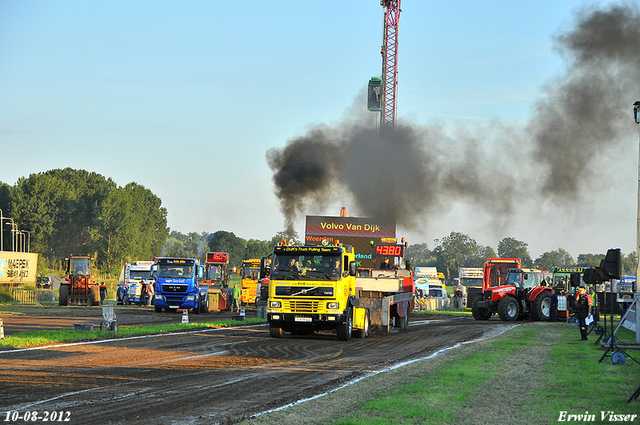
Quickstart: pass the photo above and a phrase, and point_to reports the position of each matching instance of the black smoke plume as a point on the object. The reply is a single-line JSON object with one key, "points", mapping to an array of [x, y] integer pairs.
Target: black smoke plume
{"points": [[412, 171]]}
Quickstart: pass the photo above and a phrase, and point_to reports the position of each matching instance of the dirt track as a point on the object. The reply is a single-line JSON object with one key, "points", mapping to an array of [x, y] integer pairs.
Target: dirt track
{"points": [[205, 376]]}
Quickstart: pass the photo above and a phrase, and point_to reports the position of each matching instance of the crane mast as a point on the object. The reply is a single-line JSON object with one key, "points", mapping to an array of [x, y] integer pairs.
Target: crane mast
{"points": [[390, 63]]}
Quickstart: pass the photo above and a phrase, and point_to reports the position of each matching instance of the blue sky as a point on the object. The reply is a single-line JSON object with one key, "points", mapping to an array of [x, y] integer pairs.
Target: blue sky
{"points": [[186, 97]]}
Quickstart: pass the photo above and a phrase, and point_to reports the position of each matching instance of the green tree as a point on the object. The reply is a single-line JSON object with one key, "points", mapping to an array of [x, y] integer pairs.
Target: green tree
{"points": [[630, 264], [558, 258], [589, 260], [455, 251], [257, 249], [513, 248], [132, 225], [59, 208], [223, 241], [420, 255]]}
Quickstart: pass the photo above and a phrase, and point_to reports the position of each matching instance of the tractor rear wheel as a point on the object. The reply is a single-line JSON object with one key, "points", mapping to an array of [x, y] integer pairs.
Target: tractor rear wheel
{"points": [[542, 306], [94, 295], [479, 313], [508, 309]]}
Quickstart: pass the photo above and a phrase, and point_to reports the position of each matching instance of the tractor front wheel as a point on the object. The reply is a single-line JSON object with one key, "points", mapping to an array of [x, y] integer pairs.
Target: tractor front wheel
{"points": [[508, 309], [479, 313]]}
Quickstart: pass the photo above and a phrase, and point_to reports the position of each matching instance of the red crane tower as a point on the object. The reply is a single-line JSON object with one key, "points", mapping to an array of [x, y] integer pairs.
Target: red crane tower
{"points": [[390, 63]]}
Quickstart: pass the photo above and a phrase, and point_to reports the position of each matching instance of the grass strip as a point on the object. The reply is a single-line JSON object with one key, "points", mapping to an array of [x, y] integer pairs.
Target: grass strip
{"points": [[37, 338], [528, 375]]}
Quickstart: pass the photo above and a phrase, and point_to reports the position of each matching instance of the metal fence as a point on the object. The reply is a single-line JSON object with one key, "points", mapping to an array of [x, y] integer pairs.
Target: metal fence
{"points": [[35, 297]]}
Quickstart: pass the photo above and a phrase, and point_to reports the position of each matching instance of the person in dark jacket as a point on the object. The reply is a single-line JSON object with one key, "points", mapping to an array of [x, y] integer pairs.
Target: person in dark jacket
{"points": [[583, 310], [553, 308]]}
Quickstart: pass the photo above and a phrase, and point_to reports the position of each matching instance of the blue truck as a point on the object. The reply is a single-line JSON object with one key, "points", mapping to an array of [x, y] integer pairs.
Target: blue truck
{"points": [[178, 285]]}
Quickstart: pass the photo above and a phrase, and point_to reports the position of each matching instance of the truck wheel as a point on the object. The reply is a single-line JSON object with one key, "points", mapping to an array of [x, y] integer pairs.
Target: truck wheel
{"points": [[363, 333], [63, 295], [542, 306], [345, 329], [404, 322], [205, 305], [275, 331], [479, 313], [508, 309], [94, 295]]}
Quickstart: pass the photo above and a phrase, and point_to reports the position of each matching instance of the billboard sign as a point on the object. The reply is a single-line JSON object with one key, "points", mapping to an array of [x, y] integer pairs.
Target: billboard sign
{"points": [[358, 232]]}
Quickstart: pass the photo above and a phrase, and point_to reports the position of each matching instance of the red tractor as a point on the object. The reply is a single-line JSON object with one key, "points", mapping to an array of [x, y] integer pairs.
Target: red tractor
{"points": [[78, 286], [519, 295]]}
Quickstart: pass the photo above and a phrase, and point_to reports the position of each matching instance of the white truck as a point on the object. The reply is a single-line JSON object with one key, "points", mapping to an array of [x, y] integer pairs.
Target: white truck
{"points": [[132, 278], [471, 280]]}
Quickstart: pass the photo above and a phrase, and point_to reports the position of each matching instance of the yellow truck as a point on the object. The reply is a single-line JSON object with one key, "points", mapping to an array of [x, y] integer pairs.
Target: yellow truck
{"points": [[315, 288], [250, 274]]}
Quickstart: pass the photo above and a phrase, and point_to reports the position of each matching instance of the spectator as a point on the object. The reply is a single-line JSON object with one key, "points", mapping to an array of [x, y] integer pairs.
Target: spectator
{"points": [[583, 310], [553, 308], [103, 292], [236, 298]]}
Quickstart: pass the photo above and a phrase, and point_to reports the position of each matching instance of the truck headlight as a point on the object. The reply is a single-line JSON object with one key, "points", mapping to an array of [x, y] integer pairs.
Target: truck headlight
{"points": [[275, 304], [159, 297], [190, 298], [333, 306]]}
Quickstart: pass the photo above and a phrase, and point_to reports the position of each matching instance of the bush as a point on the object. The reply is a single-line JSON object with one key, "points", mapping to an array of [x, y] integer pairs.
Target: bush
{"points": [[6, 294]]}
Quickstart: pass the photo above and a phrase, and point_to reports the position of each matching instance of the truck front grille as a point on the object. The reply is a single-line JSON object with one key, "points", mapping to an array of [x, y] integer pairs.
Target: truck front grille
{"points": [[301, 306]]}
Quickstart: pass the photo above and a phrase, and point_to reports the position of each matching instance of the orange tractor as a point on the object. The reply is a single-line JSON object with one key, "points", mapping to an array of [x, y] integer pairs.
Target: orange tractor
{"points": [[78, 286]]}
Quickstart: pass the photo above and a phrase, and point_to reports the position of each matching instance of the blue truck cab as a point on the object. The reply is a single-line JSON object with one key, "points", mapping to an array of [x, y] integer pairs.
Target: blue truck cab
{"points": [[178, 285]]}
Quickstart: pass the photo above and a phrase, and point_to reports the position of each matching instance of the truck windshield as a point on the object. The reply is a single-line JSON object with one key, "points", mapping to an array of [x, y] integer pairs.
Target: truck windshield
{"points": [[513, 279], [139, 274], [249, 272], [183, 271], [80, 266], [306, 267]]}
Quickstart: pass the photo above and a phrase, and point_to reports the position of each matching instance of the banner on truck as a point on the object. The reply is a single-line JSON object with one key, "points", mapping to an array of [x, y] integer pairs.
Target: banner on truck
{"points": [[18, 267], [358, 232]]}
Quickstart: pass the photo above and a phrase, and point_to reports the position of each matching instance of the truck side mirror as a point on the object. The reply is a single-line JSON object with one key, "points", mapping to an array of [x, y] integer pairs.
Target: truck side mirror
{"points": [[263, 267], [353, 268]]}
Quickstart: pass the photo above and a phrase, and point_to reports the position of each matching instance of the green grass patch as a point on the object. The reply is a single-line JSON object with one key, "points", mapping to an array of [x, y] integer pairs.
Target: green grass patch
{"points": [[37, 338], [529, 375]]}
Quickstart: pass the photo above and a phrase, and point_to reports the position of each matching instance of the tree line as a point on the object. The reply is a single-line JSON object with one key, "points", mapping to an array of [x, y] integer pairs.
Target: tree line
{"points": [[68, 211]]}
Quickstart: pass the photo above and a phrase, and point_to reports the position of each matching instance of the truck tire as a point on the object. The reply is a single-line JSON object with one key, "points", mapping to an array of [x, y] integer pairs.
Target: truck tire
{"points": [[205, 305], [542, 306], [63, 295], [94, 295], [363, 333], [345, 329], [275, 331], [508, 309], [479, 313]]}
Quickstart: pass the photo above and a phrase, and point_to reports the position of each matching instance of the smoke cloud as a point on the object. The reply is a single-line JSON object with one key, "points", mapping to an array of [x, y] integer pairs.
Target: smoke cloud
{"points": [[412, 171]]}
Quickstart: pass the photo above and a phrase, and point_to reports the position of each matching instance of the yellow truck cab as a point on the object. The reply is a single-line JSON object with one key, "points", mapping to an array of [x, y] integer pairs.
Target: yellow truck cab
{"points": [[315, 288], [312, 288]]}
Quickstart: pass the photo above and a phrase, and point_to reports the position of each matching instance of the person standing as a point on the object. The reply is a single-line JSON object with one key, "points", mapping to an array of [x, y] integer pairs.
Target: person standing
{"points": [[103, 292], [583, 310], [236, 298], [553, 308]]}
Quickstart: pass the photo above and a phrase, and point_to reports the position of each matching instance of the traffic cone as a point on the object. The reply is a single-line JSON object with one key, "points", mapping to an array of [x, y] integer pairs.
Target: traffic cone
{"points": [[185, 316]]}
